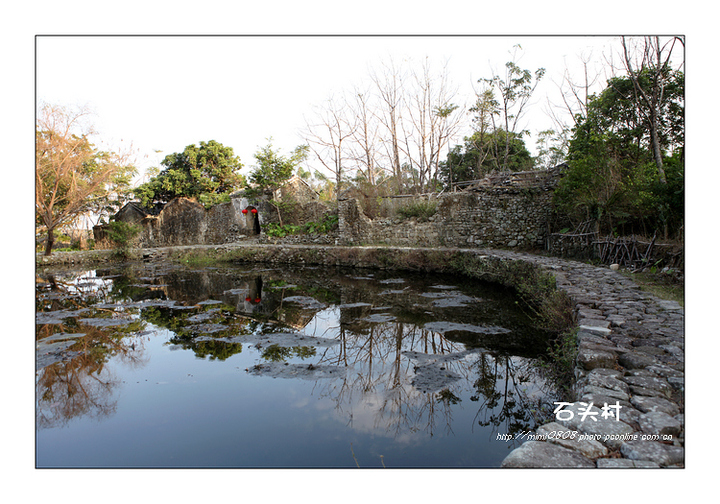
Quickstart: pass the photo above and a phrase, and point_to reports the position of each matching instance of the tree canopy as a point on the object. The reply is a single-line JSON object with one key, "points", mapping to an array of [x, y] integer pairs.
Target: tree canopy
{"points": [[499, 108], [73, 177], [273, 169], [208, 172], [482, 153], [614, 177]]}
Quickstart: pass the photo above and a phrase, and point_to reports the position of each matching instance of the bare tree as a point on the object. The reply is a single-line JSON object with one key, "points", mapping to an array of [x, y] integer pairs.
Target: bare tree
{"points": [[431, 120], [575, 92], [650, 58], [327, 136], [388, 86], [364, 148], [399, 125]]}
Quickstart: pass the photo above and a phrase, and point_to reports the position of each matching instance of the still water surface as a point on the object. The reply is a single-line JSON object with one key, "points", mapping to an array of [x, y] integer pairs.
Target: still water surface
{"points": [[150, 365]]}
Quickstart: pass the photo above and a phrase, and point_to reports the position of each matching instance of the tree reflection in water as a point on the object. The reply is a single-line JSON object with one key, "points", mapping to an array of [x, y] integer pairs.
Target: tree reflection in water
{"points": [[76, 382], [403, 378], [511, 388]]}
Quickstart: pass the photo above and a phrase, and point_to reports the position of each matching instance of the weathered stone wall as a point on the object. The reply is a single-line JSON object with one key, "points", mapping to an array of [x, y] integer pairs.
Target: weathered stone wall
{"points": [[184, 221], [496, 217], [505, 217], [301, 213], [508, 210], [181, 221]]}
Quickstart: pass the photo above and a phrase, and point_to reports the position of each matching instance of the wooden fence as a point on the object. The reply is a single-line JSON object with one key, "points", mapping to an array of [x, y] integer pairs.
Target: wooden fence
{"points": [[627, 251], [577, 244], [634, 253]]}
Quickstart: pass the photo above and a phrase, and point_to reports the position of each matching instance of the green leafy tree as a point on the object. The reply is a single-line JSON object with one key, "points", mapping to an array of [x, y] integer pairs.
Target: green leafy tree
{"points": [[484, 152], [273, 169], [497, 143], [208, 172], [652, 81], [613, 177], [500, 106]]}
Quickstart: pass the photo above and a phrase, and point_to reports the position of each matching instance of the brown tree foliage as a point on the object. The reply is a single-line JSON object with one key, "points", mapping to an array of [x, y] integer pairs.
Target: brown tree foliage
{"points": [[71, 175]]}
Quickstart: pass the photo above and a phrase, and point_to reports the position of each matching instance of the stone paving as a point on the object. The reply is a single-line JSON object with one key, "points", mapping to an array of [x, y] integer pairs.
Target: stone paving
{"points": [[630, 359], [631, 353]]}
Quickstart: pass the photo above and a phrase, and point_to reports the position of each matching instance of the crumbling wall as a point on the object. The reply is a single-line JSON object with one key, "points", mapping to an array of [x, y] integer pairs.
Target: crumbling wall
{"points": [[501, 211], [505, 217], [184, 221], [221, 220]]}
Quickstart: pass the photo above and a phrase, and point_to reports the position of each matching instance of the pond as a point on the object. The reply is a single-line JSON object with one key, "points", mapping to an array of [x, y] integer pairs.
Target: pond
{"points": [[160, 365]]}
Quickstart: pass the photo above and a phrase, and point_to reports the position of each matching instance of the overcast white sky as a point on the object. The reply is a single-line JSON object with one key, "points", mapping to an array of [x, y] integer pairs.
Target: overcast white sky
{"points": [[164, 93]]}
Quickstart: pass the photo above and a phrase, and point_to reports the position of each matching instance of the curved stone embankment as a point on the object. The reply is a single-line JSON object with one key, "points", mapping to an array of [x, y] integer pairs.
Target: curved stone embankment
{"points": [[630, 352]]}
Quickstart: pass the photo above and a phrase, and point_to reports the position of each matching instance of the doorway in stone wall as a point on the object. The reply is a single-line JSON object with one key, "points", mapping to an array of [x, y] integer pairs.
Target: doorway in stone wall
{"points": [[252, 213]]}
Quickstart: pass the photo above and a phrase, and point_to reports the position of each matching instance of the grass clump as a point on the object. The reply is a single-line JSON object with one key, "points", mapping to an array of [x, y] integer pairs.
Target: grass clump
{"points": [[420, 210], [324, 226], [559, 364], [664, 285]]}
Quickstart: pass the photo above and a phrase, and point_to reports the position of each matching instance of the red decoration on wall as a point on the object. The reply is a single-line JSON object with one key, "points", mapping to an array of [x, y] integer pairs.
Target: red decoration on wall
{"points": [[254, 211], [244, 210], [257, 300]]}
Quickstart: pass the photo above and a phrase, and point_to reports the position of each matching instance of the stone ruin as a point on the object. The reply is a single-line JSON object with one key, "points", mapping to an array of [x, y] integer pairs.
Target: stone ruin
{"points": [[184, 221], [503, 210], [506, 210]]}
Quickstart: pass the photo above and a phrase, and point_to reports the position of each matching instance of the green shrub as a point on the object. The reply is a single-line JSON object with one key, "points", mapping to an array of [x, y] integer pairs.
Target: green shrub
{"points": [[559, 365], [329, 223], [122, 235], [278, 231]]}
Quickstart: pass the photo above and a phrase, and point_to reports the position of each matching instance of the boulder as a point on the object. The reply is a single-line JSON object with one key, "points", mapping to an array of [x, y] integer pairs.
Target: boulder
{"points": [[539, 454]]}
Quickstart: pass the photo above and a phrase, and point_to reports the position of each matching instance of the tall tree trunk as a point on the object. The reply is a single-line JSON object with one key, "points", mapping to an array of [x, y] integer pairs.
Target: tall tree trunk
{"points": [[50, 241], [656, 149], [651, 99], [396, 154]]}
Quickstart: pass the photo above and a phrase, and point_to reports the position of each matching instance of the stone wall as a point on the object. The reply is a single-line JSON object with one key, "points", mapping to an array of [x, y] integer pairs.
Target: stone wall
{"points": [[508, 210], [297, 213], [181, 221], [503, 217], [184, 221]]}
